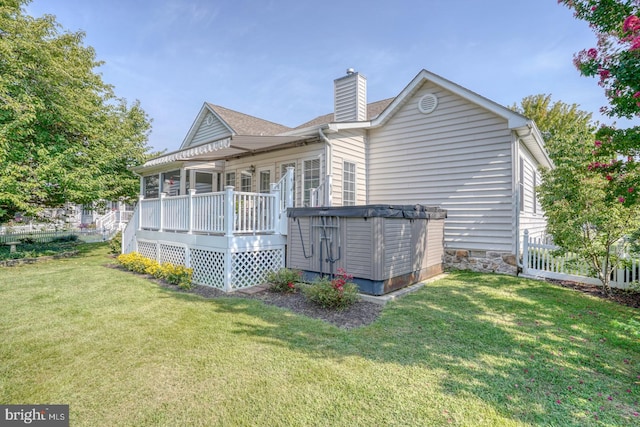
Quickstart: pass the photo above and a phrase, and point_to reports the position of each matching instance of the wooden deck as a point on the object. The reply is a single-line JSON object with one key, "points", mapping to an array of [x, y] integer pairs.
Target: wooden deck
{"points": [[231, 239]]}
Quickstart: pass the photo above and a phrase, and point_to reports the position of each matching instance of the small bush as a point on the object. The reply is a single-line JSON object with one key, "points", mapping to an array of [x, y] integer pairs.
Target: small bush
{"points": [[337, 293], [115, 244], [136, 262], [178, 275], [175, 274], [283, 280], [67, 238]]}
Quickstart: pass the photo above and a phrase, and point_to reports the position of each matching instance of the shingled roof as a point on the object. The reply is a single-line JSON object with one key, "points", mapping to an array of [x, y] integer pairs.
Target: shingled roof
{"points": [[244, 124], [373, 110]]}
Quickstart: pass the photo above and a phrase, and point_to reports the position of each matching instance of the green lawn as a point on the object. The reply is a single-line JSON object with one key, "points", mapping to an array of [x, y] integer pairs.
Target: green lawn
{"points": [[471, 349]]}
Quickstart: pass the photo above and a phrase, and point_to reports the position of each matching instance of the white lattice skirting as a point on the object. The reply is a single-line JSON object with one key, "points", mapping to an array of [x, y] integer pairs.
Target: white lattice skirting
{"points": [[245, 262]]}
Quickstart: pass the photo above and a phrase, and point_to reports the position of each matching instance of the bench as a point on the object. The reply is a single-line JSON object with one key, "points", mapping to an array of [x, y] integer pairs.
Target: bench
{"points": [[12, 246]]}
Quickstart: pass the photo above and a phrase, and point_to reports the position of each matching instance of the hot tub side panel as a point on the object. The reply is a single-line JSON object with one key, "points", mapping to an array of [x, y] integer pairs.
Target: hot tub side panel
{"points": [[435, 243], [299, 249], [360, 247]]}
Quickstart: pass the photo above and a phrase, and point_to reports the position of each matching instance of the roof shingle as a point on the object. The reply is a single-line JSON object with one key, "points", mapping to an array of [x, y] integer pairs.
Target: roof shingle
{"points": [[244, 124], [373, 110]]}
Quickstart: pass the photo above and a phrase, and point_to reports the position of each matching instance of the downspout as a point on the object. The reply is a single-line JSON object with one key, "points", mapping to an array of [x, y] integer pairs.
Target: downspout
{"points": [[329, 151], [516, 184]]}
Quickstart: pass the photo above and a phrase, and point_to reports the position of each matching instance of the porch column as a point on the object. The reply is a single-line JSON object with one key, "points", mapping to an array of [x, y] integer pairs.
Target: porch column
{"points": [[229, 211], [183, 181]]}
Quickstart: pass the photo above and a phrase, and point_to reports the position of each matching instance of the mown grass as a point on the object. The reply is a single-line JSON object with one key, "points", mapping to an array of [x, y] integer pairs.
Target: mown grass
{"points": [[470, 349]]}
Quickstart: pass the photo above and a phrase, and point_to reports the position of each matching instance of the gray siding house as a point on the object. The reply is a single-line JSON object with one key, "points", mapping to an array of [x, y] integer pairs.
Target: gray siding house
{"points": [[436, 143]]}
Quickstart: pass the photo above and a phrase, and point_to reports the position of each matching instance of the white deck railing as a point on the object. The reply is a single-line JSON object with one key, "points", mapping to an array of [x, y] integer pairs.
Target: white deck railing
{"points": [[321, 195], [228, 212]]}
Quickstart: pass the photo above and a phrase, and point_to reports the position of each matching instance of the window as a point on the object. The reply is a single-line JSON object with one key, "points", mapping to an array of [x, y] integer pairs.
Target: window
{"points": [[230, 179], [245, 182], [311, 178], [204, 182], [150, 186], [349, 184], [265, 181], [171, 183]]}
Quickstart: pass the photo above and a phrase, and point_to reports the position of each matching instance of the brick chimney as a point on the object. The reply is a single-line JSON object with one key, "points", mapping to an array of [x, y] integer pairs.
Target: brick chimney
{"points": [[350, 97]]}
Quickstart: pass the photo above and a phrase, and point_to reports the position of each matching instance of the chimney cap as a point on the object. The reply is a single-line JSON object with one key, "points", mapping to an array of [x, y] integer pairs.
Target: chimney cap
{"points": [[350, 71]]}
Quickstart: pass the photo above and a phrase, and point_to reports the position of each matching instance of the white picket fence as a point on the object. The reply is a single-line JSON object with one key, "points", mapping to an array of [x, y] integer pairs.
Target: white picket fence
{"points": [[45, 236], [539, 261]]}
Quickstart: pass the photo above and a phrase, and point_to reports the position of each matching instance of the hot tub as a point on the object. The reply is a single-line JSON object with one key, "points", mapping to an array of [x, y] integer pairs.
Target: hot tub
{"points": [[385, 247]]}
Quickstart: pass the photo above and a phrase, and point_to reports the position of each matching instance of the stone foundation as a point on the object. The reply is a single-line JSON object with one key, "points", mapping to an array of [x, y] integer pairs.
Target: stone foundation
{"points": [[481, 261]]}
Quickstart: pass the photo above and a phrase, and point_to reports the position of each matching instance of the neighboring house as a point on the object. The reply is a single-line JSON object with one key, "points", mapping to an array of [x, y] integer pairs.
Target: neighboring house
{"points": [[436, 143]]}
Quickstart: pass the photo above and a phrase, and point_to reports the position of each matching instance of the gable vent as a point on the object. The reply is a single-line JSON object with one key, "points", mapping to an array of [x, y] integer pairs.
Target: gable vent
{"points": [[428, 103]]}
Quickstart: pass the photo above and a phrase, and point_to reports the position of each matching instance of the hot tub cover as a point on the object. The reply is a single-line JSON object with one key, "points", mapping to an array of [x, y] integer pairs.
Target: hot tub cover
{"points": [[369, 211]]}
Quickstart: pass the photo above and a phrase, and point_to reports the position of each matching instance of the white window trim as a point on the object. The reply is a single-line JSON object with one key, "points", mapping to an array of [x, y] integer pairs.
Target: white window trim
{"points": [[355, 180], [304, 173], [272, 178]]}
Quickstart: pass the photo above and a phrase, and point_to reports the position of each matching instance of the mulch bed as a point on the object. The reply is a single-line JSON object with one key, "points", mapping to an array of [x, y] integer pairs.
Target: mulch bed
{"points": [[630, 298], [359, 314]]}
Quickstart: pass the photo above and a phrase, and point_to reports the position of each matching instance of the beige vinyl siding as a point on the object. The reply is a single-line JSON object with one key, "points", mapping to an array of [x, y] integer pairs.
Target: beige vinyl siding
{"points": [[532, 217], [348, 146], [274, 160], [207, 133], [458, 157]]}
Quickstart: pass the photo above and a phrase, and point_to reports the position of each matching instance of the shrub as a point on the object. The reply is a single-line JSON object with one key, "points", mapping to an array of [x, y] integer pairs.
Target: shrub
{"points": [[283, 280], [136, 262], [337, 293], [115, 244], [67, 238], [175, 274], [178, 275]]}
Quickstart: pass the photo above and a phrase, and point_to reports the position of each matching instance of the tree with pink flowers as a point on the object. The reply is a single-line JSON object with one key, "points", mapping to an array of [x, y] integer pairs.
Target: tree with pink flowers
{"points": [[615, 62]]}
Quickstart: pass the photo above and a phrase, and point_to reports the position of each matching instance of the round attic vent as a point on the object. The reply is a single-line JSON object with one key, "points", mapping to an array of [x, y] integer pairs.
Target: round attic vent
{"points": [[209, 120], [428, 103]]}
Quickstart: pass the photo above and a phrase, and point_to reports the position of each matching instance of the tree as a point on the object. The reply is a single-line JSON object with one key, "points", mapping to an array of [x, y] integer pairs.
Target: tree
{"points": [[580, 214], [64, 135], [615, 61]]}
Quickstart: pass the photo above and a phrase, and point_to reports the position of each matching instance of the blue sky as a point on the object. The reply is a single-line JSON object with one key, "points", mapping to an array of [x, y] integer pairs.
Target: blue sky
{"points": [[277, 59]]}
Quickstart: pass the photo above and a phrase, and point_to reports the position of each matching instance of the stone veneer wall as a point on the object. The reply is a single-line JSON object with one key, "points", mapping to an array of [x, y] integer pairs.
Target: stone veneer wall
{"points": [[481, 261]]}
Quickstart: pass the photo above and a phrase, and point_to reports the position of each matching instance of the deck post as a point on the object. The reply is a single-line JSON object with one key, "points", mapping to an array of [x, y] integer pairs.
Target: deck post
{"points": [[229, 211], [289, 196], [192, 192], [140, 198], [162, 196], [275, 209], [525, 252], [327, 191]]}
